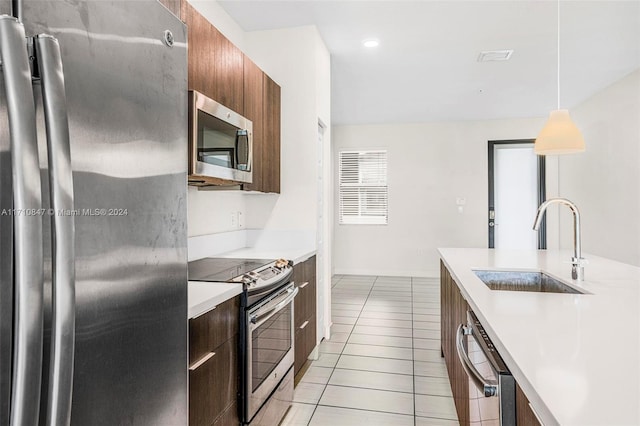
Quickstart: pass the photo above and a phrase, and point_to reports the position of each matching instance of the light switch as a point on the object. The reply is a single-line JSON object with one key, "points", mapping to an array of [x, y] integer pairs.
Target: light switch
{"points": [[460, 201]]}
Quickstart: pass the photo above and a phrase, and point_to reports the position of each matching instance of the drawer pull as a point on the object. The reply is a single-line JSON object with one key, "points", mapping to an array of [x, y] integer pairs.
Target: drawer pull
{"points": [[304, 324], [201, 361], [304, 284]]}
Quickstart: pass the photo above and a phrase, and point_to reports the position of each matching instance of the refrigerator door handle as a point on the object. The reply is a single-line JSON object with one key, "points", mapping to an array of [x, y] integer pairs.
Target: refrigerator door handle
{"points": [[62, 230], [27, 225]]}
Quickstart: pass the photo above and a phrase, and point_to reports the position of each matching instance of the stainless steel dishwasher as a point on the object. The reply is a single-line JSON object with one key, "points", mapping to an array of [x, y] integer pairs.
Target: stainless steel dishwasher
{"points": [[492, 393]]}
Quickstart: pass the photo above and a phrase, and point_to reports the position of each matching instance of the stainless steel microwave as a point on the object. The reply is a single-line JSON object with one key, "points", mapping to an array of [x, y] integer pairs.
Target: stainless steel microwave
{"points": [[220, 143]]}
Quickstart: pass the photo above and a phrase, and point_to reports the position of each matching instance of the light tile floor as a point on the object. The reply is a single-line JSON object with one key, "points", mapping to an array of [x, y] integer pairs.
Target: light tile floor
{"points": [[382, 365]]}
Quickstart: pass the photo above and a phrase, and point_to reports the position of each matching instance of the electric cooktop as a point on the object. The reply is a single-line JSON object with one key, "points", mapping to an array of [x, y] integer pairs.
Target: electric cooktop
{"points": [[222, 270]]}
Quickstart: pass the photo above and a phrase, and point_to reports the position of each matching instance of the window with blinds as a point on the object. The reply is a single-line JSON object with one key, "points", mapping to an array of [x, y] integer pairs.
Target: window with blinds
{"points": [[363, 195]]}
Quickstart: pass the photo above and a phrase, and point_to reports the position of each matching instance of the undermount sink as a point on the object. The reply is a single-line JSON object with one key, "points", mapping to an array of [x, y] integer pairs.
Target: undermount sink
{"points": [[523, 281]]}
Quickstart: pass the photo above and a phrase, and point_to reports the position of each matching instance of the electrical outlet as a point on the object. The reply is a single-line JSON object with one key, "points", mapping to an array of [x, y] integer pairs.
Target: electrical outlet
{"points": [[234, 220], [240, 221]]}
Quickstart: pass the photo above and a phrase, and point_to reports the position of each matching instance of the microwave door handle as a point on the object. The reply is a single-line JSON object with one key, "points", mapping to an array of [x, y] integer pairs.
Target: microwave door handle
{"points": [[236, 151], [242, 136], [486, 386], [27, 228], [267, 312], [62, 230]]}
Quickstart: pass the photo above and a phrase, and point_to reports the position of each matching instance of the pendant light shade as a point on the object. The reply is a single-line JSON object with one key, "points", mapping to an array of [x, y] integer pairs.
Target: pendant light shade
{"points": [[559, 136]]}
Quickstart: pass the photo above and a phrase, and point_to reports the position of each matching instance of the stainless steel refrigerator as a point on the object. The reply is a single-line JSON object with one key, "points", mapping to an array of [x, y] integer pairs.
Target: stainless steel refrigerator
{"points": [[93, 264]]}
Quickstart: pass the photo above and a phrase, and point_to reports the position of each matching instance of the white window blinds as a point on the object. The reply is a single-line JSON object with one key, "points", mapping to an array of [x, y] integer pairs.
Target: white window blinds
{"points": [[363, 193]]}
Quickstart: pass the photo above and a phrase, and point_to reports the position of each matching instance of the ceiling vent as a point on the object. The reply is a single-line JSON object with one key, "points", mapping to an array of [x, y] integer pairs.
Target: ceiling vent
{"points": [[495, 55]]}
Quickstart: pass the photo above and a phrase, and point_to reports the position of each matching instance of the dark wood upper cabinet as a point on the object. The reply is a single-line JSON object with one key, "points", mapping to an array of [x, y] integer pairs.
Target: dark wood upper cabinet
{"points": [[253, 110], [220, 71], [173, 5], [216, 66], [271, 149]]}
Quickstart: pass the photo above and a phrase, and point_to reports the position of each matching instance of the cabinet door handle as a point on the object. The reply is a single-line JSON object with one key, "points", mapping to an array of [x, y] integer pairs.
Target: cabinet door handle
{"points": [[304, 324], [304, 284], [201, 361]]}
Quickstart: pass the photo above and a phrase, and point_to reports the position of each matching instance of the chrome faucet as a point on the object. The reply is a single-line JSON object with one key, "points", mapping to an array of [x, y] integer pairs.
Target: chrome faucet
{"points": [[577, 262]]}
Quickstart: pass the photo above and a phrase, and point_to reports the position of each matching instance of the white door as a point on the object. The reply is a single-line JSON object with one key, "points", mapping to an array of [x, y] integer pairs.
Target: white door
{"points": [[515, 196]]}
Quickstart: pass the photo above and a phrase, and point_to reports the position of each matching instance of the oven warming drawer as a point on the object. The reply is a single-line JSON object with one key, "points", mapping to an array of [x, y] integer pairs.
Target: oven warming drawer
{"points": [[274, 410]]}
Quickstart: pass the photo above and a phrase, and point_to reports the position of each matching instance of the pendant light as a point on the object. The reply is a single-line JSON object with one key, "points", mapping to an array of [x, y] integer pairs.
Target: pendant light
{"points": [[559, 135]]}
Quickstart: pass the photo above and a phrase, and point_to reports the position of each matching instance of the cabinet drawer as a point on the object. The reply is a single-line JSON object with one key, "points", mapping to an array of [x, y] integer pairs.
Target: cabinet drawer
{"points": [[305, 341], [304, 275], [213, 384], [210, 330], [305, 302]]}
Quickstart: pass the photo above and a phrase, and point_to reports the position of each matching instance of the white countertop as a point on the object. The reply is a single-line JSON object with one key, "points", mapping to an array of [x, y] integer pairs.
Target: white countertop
{"points": [[576, 357], [295, 255], [204, 296]]}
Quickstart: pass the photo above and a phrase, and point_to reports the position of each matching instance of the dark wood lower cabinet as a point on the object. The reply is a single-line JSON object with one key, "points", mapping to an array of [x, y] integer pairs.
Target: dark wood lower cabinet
{"points": [[210, 330], [213, 366], [213, 385], [524, 414], [229, 417], [304, 275], [453, 312], [305, 341]]}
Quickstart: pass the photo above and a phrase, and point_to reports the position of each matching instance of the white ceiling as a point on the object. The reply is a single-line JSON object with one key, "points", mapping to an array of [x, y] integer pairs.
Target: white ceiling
{"points": [[426, 68]]}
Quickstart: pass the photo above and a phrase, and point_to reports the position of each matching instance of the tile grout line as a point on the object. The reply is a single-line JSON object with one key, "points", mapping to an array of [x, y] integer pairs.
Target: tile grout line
{"points": [[372, 291], [413, 363], [339, 355]]}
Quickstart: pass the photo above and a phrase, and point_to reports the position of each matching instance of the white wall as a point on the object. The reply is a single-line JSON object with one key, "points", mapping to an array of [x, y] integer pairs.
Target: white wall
{"points": [[298, 60], [604, 181], [429, 165], [290, 56]]}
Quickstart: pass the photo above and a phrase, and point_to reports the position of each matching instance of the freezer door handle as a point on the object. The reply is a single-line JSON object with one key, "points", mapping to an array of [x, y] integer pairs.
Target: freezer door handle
{"points": [[27, 225], [62, 230]]}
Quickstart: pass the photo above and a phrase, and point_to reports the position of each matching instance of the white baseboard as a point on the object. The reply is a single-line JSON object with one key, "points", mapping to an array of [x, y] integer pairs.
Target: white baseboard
{"points": [[425, 273]]}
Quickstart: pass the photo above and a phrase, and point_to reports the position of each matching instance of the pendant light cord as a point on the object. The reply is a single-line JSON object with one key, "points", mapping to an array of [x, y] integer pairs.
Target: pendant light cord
{"points": [[558, 54]]}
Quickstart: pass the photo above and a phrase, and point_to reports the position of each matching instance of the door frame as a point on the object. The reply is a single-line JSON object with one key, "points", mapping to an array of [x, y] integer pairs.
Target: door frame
{"points": [[542, 231]]}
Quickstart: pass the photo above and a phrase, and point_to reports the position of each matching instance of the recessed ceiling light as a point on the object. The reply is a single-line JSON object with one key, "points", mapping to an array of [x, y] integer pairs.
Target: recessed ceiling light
{"points": [[495, 55], [370, 42]]}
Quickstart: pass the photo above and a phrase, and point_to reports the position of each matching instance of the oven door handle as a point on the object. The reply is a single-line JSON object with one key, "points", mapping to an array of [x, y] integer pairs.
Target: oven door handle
{"points": [[269, 310], [486, 386]]}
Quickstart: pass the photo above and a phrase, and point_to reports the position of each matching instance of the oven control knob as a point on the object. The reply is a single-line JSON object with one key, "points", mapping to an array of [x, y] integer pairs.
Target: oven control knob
{"points": [[281, 263]]}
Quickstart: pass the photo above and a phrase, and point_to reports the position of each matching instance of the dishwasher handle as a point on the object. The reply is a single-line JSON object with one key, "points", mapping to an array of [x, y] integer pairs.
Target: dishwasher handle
{"points": [[486, 386]]}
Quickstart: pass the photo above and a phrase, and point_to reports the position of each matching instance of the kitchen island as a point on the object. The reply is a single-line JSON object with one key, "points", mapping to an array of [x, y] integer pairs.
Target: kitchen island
{"points": [[575, 356]]}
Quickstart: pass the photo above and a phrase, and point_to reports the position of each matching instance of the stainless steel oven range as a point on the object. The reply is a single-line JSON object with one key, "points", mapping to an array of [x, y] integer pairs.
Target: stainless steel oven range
{"points": [[266, 333]]}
